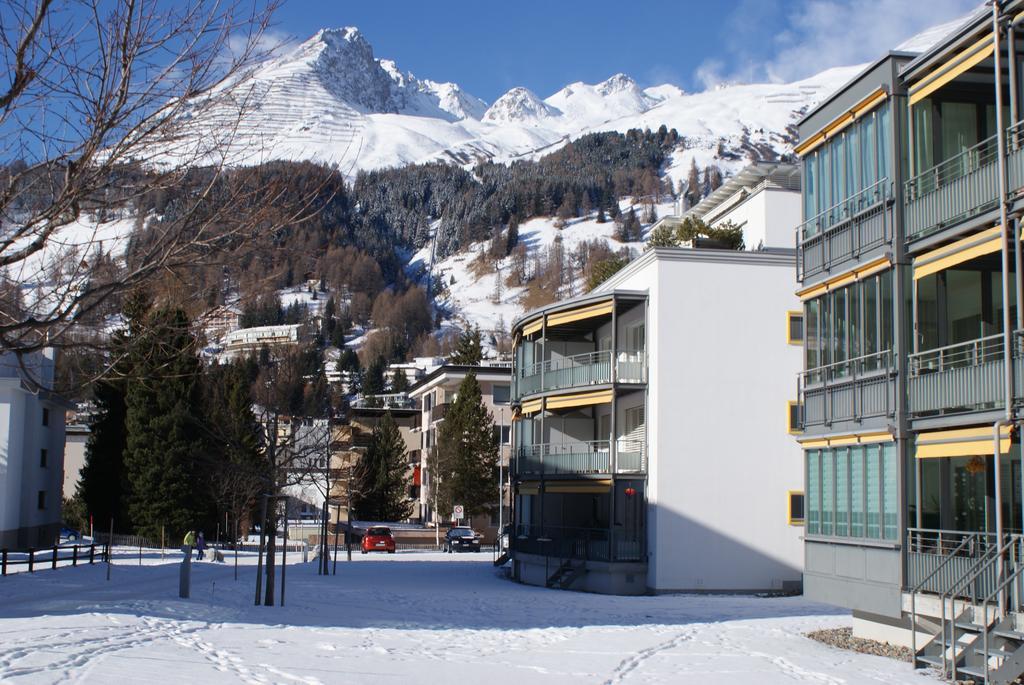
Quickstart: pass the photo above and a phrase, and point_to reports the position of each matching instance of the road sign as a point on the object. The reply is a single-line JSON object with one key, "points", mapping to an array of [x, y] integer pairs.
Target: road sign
{"points": [[458, 511]]}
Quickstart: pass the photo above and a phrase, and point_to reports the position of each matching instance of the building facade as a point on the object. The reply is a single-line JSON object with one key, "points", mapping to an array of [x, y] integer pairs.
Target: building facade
{"points": [[31, 453], [909, 259], [432, 396], [633, 471]]}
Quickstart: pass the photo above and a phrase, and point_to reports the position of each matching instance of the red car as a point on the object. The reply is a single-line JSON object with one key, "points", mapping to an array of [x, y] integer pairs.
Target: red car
{"points": [[378, 539]]}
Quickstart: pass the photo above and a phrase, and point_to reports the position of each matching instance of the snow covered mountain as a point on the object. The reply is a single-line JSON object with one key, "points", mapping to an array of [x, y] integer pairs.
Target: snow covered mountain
{"points": [[331, 99]]}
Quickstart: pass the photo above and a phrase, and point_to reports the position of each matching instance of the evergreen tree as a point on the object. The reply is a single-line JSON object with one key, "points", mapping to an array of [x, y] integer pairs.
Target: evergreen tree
{"points": [[103, 486], [162, 451], [468, 350], [693, 184], [373, 379], [603, 270], [399, 381], [466, 458], [512, 238], [381, 482]]}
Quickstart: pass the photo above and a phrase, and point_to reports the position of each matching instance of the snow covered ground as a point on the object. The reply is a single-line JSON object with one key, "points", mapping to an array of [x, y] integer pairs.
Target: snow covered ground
{"points": [[404, 618]]}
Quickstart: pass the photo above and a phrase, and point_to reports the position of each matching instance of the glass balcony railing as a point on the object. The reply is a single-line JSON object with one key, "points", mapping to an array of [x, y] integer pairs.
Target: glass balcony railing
{"points": [[960, 188], [581, 370], [582, 458]]}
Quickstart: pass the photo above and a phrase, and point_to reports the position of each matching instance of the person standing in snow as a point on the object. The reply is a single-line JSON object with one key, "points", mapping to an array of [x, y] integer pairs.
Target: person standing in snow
{"points": [[190, 541], [200, 545]]}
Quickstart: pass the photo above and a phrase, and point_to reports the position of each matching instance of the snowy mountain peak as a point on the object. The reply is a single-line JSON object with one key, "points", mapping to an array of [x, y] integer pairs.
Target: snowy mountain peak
{"points": [[617, 83], [519, 105]]}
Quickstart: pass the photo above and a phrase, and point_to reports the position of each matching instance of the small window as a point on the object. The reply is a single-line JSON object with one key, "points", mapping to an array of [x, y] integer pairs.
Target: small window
{"points": [[502, 434], [42, 458], [794, 418], [795, 328], [502, 394], [796, 508], [41, 499], [46, 417]]}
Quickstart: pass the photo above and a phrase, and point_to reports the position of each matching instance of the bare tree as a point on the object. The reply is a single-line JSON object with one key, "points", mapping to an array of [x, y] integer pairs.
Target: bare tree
{"points": [[98, 117]]}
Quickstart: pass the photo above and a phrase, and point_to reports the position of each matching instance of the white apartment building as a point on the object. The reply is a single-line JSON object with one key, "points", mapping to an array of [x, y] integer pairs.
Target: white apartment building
{"points": [[651, 451], [31, 452], [252, 339]]}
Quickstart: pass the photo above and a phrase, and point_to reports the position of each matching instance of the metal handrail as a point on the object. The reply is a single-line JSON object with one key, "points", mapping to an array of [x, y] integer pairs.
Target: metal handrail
{"points": [[984, 610], [843, 207], [856, 366], [959, 165], [917, 588], [970, 576], [959, 355], [559, 363]]}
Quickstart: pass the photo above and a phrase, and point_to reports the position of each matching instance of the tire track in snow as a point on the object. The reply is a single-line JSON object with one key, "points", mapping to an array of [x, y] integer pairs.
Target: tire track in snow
{"points": [[634, 661]]}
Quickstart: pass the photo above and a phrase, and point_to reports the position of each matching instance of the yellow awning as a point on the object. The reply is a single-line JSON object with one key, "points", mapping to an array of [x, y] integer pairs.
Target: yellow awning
{"points": [[533, 327], [966, 249], [874, 99], [955, 66], [962, 442], [532, 406], [531, 488], [848, 439], [846, 278], [591, 311], [582, 487], [580, 399]]}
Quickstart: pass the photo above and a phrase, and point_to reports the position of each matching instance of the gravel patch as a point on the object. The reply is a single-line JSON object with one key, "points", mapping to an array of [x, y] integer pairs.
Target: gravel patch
{"points": [[843, 638]]}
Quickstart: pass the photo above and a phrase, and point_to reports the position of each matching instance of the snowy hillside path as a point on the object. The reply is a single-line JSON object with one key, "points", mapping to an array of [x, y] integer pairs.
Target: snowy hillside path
{"points": [[407, 618]]}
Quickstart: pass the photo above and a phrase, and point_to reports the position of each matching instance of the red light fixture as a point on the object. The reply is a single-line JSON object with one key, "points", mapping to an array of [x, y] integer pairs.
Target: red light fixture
{"points": [[630, 492]]}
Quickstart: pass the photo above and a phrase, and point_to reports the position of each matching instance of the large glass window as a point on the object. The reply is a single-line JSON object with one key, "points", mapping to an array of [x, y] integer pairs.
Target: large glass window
{"points": [[852, 325], [852, 492], [843, 168]]}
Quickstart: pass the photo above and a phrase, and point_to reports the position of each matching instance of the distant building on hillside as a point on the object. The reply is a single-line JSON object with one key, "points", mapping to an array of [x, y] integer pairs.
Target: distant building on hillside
{"points": [[32, 449], [246, 340], [219, 321]]}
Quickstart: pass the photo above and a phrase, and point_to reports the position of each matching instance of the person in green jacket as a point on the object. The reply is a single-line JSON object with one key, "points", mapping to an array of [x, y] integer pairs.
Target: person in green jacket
{"points": [[190, 541]]}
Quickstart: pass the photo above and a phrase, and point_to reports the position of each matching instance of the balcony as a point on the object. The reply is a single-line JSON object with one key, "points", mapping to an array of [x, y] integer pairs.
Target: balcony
{"points": [[582, 370], [583, 544], [582, 458], [851, 390], [958, 189], [844, 231], [961, 378], [938, 561], [1015, 157]]}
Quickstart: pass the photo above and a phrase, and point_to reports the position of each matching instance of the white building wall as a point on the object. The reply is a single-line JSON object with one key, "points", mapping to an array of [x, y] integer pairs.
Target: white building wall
{"points": [[768, 217], [720, 460]]}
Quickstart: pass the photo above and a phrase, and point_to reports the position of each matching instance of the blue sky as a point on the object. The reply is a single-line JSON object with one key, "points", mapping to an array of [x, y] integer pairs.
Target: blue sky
{"points": [[488, 47]]}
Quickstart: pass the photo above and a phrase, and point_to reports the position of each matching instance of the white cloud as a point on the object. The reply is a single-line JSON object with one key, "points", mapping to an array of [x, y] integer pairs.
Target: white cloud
{"points": [[820, 34]]}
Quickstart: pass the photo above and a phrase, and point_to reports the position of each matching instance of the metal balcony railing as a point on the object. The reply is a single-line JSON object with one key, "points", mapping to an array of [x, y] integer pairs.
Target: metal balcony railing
{"points": [[581, 370], [938, 559], [566, 458], [850, 390], [583, 544], [845, 230], [954, 190], [964, 377]]}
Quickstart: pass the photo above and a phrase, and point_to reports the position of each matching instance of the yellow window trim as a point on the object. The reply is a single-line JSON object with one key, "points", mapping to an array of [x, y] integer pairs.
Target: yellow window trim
{"points": [[866, 105], [790, 428], [971, 56], [582, 487], [581, 399], [579, 314], [789, 508], [962, 442], [533, 327], [848, 439], [529, 488], [857, 273], [963, 250], [532, 406], [790, 340]]}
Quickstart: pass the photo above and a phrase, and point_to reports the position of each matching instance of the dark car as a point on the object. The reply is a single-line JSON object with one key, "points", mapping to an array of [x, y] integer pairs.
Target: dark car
{"points": [[70, 534], [461, 539], [378, 539]]}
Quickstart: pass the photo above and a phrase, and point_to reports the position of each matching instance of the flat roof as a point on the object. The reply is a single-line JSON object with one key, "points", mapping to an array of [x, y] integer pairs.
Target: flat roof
{"points": [[852, 82], [577, 301], [457, 369], [983, 15]]}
